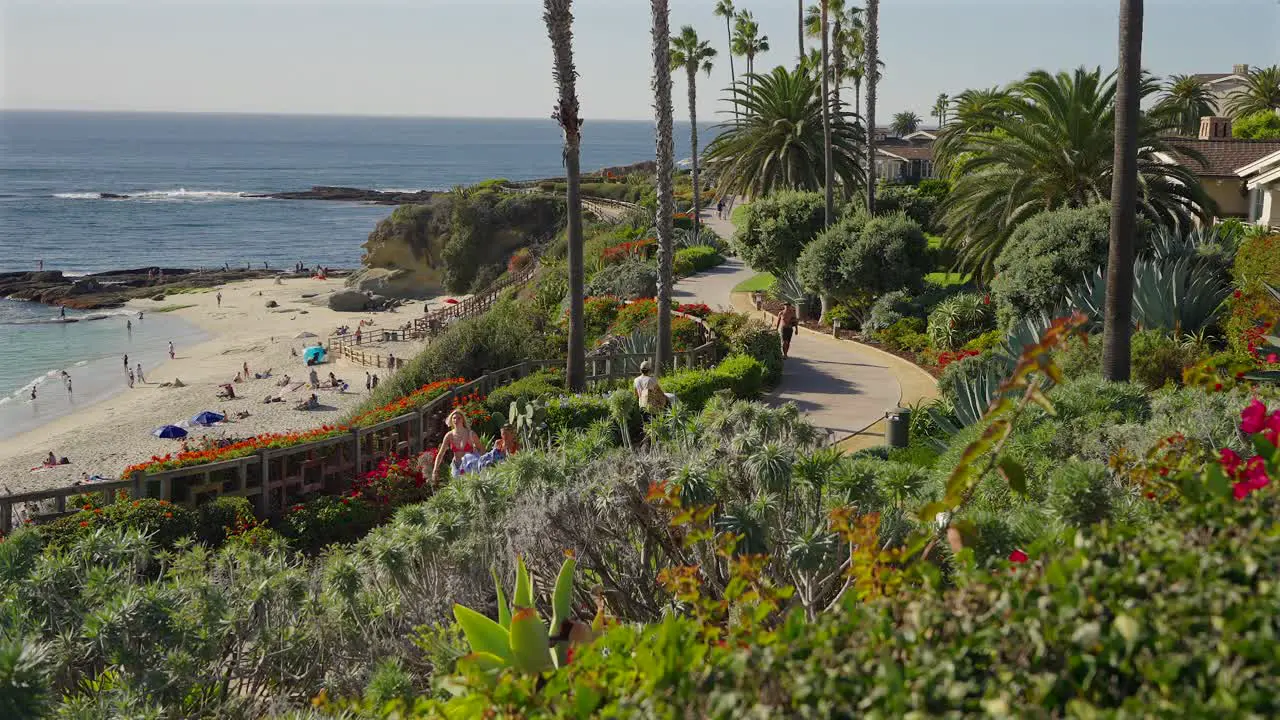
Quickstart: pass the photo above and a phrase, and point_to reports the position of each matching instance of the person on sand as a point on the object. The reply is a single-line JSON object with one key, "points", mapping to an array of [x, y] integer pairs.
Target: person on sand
{"points": [[171, 353], [333, 380], [648, 392], [141, 379], [130, 378], [128, 326], [375, 381], [246, 370], [139, 314], [51, 461], [358, 334], [461, 441], [126, 361], [67, 379], [368, 381], [219, 297], [33, 393], [315, 379], [786, 324]]}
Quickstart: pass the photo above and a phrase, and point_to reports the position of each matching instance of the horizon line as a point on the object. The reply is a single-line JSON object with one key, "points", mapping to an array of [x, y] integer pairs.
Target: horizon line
{"points": [[257, 113]]}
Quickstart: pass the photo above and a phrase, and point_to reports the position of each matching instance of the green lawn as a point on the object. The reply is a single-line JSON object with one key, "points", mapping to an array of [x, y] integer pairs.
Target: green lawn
{"points": [[739, 215], [759, 283], [947, 279]]}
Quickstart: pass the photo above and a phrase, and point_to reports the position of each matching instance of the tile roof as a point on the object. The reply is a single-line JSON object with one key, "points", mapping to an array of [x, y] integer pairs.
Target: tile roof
{"points": [[909, 149], [1222, 157], [1210, 77]]}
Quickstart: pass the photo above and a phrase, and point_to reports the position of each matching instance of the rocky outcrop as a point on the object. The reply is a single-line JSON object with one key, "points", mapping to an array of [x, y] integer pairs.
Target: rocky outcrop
{"points": [[114, 288], [346, 194], [350, 301], [401, 283]]}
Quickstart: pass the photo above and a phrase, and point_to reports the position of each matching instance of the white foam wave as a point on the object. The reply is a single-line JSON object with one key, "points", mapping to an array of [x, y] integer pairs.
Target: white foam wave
{"points": [[179, 194]]}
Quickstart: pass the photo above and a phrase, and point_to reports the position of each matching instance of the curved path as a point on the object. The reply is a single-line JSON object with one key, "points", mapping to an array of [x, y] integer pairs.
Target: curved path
{"points": [[841, 386]]}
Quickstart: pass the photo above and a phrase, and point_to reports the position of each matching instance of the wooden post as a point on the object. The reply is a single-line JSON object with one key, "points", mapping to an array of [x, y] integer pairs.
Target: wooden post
{"points": [[139, 488], [264, 498], [60, 504], [166, 487], [355, 437], [6, 517]]}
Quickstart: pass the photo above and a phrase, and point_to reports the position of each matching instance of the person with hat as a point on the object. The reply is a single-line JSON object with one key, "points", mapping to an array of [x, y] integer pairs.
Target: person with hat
{"points": [[648, 392]]}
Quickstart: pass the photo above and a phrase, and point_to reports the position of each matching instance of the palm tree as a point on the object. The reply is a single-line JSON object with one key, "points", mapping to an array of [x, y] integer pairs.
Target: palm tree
{"points": [[1186, 99], [665, 170], [940, 107], [1260, 94], [800, 27], [1050, 146], [725, 9], [747, 40], [1124, 197], [829, 179], [872, 62], [779, 143], [904, 123], [692, 54], [558, 15], [844, 34]]}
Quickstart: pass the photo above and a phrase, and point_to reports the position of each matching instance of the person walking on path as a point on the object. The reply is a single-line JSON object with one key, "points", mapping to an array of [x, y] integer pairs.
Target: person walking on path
{"points": [[368, 380], [720, 209], [219, 296], [786, 324]]}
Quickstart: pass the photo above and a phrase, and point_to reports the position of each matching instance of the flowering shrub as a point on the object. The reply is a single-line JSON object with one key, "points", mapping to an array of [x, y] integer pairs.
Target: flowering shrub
{"points": [[633, 316], [598, 314], [946, 358], [265, 441], [520, 260], [685, 334], [698, 310], [371, 500], [161, 519], [631, 250]]}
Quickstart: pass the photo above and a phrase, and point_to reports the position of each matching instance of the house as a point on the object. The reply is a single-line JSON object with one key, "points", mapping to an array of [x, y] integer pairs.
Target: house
{"points": [[905, 159], [1223, 158], [1262, 182], [1223, 85]]}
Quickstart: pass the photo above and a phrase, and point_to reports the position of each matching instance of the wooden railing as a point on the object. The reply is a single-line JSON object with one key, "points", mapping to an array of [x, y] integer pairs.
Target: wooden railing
{"points": [[272, 478]]}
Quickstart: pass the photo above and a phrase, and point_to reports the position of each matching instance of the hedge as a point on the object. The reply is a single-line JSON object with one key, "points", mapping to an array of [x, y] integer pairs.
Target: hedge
{"points": [[742, 375], [690, 260]]}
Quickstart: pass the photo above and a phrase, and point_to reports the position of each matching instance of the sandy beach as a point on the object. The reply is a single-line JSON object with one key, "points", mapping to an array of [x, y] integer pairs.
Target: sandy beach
{"points": [[105, 437]]}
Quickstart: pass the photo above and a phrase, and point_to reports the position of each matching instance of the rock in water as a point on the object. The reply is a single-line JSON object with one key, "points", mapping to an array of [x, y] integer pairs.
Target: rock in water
{"points": [[349, 301]]}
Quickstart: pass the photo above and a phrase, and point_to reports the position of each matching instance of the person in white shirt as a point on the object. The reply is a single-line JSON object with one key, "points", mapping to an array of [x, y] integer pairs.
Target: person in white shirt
{"points": [[648, 391]]}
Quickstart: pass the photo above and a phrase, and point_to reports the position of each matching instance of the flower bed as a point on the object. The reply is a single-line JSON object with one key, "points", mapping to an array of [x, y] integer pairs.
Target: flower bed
{"points": [[269, 441]]}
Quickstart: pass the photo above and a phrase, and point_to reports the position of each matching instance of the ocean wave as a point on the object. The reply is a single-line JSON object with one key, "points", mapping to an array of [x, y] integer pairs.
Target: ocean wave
{"points": [[180, 194]]}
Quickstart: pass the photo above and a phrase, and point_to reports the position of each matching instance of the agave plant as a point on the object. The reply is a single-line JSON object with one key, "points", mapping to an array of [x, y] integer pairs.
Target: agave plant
{"points": [[519, 639], [959, 319], [788, 288], [641, 341], [974, 393], [1169, 296]]}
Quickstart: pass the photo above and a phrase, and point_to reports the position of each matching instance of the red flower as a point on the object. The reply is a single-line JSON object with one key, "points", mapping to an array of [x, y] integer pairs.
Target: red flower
{"points": [[84, 523], [1018, 557], [1253, 417], [1230, 461], [1237, 294]]}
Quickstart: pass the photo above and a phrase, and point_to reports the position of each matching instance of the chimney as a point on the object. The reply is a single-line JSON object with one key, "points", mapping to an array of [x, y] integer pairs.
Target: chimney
{"points": [[1240, 70], [1215, 128]]}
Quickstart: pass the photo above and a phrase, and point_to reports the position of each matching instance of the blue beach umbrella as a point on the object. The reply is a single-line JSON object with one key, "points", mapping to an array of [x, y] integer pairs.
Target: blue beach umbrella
{"points": [[208, 417], [169, 432], [313, 352]]}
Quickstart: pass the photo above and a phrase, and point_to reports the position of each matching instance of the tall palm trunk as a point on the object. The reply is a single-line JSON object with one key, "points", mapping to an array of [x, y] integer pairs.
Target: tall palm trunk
{"points": [[693, 141], [733, 74], [828, 167], [837, 62], [558, 16], [800, 27], [665, 169], [1118, 310], [873, 61], [857, 94]]}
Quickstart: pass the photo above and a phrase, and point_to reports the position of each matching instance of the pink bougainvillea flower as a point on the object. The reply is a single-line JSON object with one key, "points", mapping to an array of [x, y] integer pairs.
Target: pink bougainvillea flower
{"points": [[1253, 418], [1230, 460], [1019, 557], [1273, 358], [1253, 477]]}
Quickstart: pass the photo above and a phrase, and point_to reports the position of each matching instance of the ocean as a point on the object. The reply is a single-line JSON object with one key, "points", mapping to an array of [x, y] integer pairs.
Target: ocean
{"points": [[186, 175]]}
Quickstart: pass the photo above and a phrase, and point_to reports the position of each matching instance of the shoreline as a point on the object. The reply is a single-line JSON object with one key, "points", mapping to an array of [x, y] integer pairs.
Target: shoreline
{"points": [[104, 436]]}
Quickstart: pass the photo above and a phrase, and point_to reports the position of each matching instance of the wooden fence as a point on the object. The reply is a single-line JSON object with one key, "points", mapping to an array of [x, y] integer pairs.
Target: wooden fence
{"points": [[273, 478]]}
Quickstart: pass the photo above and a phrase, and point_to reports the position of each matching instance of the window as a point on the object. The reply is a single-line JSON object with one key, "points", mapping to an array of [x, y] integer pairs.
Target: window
{"points": [[1255, 204]]}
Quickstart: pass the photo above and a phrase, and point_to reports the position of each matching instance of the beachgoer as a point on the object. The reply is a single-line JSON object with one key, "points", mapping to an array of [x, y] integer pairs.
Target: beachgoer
{"points": [[130, 378], [171, 350], [358, 334], [507, 443], [720, 209], [315, 378], [139, 314], [375, 381], [333, 380], [128, 325], [62, 312], [68, 380], [42, 265], [391, 361], [368, 380], [219, 296], [648, 391], [786, 324], [51, 461], [461, 441], [293, 352], [246, 370], [33, 392], [126, 361], [140, 378]]}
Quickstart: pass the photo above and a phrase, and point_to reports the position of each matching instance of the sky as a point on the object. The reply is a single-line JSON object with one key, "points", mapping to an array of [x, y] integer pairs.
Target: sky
{"points": [[491, 58]]}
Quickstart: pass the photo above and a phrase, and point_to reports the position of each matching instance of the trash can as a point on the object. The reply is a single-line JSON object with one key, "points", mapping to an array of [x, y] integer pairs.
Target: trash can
{"points": [[897, 429]]}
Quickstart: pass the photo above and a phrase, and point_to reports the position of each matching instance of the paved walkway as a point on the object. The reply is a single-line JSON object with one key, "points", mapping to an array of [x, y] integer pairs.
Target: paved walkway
{"points": [[841, 386]]}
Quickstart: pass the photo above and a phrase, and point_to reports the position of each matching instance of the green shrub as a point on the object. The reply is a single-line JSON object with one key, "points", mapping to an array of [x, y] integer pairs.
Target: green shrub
{"points": [[921, 207], [690, 260], [165, 522], [761, 342], [774, 230], [1258, 126], [1257, 262], [724, 325], [327, 519], [1047, 255], [222, 515], [889, 308], [890, 253], [959, 319], [745, 375], [1082, 494], [627, 280], [598, 314], [685, 333], [1158, 360], [633, 316], [989, 340], [905, 335], [973, 366], [742, 375], [536, 386], [1081, 356], [819, 268], [575, 412]]}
